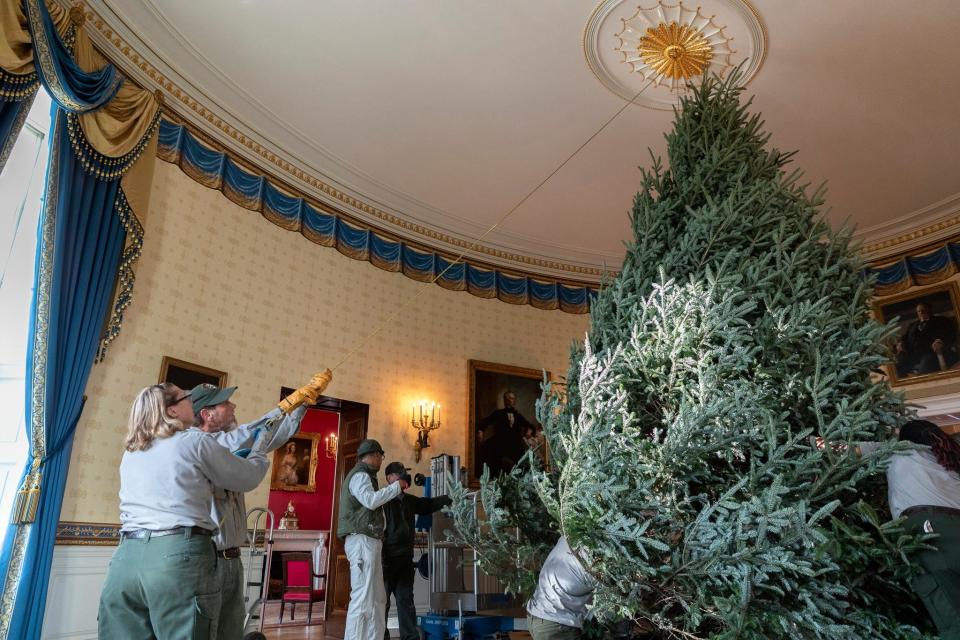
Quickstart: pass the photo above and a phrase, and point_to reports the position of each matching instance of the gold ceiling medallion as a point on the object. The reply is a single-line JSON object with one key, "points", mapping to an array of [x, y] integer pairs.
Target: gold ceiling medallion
{"points": [[673, 45], [675, 50]]}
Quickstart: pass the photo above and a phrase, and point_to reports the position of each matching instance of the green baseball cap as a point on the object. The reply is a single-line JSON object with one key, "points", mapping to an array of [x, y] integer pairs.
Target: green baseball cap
{"points": [[368, 446], [208, 395]]}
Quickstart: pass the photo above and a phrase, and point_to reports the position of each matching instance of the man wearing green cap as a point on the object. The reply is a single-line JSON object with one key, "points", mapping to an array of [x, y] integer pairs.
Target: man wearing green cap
{"points": [[361, 525], [214, 413]]}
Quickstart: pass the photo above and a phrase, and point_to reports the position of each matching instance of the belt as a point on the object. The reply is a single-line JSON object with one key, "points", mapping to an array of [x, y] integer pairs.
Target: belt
{"points": [[137, 534], [229, 554], [923, 508]]}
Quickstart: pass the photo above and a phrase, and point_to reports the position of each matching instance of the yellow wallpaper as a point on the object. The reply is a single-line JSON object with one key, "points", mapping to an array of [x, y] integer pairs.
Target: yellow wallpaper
{"points": [[220, 286]]}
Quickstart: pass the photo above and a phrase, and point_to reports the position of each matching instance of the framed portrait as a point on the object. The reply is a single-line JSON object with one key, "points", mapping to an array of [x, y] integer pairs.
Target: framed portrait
{"points": [[295, 464], [187, 375], [501, 418], [926, 344]]}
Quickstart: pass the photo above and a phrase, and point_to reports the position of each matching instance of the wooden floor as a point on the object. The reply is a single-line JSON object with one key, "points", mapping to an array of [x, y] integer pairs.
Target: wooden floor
{"points": [[332, 629], [328, 630]]}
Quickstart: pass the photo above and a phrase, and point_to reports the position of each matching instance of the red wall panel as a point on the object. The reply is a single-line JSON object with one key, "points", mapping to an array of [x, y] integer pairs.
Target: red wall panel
{"points": [[314, 509]]}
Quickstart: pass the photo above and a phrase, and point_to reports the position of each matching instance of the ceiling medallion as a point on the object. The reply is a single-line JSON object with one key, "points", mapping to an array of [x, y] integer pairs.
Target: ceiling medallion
{"points": [[673, 45], [675, 51], [662, 49]]}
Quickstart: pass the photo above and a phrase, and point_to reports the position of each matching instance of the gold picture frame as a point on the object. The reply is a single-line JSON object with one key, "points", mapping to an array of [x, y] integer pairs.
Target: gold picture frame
{"points": [[187, 375], [295, 464], [502, 441], [916, 358]]}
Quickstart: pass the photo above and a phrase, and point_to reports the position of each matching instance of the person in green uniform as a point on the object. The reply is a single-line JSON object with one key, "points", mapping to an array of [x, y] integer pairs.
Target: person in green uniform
{"points": [[162, 580], [924, 486], [214, 414]]}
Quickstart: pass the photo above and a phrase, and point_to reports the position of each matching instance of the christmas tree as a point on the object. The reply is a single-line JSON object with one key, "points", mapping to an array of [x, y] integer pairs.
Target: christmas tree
{"points": [[684, 471]]}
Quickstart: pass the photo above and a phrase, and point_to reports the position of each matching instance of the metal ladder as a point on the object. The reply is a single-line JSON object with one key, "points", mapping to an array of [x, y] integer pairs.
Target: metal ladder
{"points": [[253, 622]]}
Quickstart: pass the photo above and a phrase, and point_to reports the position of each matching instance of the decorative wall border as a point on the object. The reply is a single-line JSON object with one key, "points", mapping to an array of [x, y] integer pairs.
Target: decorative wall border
{"points": [[911, 233], [98, 534], [920, 267], [212, 166]]}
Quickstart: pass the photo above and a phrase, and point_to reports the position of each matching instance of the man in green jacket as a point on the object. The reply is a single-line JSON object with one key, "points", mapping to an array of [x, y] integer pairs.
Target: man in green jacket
{"points": [[398, 550], [361, 526]]}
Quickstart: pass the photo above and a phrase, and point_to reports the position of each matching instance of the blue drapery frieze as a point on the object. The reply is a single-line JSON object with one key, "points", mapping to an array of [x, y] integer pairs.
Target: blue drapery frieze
{"points": [[215, 169], [927, 266]]}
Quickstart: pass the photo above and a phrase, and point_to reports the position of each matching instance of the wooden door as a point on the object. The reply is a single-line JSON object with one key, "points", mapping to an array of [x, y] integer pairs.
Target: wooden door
{"points": [[353, 430]]}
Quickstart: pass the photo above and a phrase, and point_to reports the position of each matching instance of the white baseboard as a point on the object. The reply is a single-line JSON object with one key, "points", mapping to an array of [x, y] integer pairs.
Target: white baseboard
{"points": [[73, 595]]}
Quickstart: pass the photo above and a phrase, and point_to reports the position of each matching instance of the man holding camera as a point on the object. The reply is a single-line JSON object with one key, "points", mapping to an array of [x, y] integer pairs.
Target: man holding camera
{"points": [[398, 549]]}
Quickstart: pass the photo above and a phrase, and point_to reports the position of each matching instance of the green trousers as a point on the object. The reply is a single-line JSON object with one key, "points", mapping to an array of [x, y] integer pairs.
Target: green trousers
{"points": [[541, 629], [938, 582], [232, 609], [161, 588]]}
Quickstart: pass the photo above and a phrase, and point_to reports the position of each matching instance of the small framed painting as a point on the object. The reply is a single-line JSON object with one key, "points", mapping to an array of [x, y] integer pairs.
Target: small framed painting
{"points": [[295, 464], [187, 375]]}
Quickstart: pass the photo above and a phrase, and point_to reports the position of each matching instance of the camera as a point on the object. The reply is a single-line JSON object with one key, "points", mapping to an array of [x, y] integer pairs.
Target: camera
{"points": [[419, 479]]}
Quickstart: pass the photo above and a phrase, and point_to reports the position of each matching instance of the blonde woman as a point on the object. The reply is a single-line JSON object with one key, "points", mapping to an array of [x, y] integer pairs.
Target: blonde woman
{"points": [[162, 580]]}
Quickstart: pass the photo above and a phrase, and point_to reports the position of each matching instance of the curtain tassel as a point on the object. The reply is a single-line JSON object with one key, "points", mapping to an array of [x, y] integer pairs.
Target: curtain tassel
{"points": [[28, 497]]}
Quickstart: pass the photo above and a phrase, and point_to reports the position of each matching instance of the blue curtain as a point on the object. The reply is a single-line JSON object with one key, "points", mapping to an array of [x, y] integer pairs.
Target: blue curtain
{"points": [[80, 242], [17, 92], [62, 77], [81, 239]]}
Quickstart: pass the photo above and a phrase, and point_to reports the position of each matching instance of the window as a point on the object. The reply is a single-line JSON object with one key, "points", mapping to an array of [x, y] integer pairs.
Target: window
{"points": [[21, 191]]}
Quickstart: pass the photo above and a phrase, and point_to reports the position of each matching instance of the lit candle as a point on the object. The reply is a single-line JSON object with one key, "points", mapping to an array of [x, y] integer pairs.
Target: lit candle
{"points": [[438, 414]]}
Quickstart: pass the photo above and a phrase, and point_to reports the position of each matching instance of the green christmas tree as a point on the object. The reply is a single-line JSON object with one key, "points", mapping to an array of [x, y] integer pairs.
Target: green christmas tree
{"points": [[684, 470]]}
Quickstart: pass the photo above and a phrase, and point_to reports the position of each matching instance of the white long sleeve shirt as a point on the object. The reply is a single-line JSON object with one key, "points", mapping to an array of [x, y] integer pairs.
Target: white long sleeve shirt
{"points": [[564, 591], [171, 484], [915, 478], [229, 509], [362, 490]]}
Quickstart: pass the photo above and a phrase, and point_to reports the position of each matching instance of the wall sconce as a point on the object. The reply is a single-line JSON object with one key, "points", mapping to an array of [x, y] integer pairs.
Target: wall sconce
{"points": [[424, 418], [330, 445]]}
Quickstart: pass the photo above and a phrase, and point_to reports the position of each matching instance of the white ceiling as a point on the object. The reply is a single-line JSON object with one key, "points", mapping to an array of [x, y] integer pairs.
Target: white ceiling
{"points": [[448, 112]]}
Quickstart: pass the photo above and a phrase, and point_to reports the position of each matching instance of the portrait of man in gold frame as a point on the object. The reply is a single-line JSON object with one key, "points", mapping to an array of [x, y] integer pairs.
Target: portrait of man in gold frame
{"points": [[494, 437], [927, 343], [295, 464]]}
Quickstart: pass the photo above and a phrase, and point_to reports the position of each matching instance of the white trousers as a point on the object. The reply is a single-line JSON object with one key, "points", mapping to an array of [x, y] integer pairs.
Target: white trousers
{"points": [[366, 616]]}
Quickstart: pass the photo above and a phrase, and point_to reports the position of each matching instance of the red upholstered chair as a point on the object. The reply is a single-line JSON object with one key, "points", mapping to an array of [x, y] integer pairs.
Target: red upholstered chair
{"points": [[298, 578]]}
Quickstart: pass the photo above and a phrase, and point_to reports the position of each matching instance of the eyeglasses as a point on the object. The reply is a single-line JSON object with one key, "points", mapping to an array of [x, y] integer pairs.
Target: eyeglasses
{"points": [[179, 400]]}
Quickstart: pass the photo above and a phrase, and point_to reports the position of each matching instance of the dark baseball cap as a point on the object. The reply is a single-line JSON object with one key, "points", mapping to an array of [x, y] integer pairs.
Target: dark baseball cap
{"points": [[395, 467], [208, 395]]}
